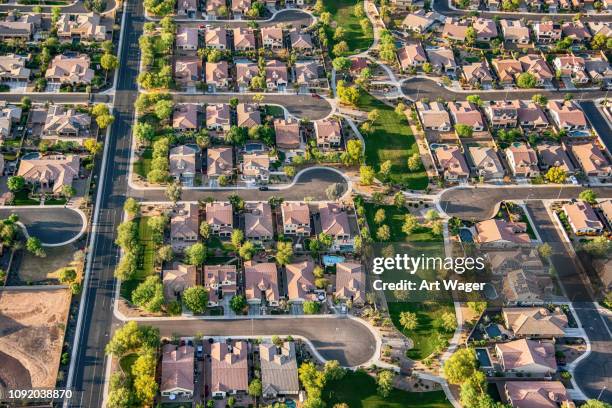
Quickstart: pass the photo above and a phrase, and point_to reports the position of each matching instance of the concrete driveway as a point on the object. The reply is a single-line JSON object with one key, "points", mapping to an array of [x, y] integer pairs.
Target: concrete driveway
{"points": [[52, 225]]}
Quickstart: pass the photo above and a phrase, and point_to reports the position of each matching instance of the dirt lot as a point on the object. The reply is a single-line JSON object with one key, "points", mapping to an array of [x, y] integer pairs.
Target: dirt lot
{"points": [[32, 324], [34, 269]]}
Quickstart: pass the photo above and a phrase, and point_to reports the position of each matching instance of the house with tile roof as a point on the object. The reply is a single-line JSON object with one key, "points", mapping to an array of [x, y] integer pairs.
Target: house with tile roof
{"points": [[177, 372], [433, 116], [531, 116], [554, 155], [335, 223], [276, 75], [220, 280], [248, 115], [261, 283], [537, 394], [350, 283], [328, 133], [50, 173], [219, 161], [220, 217], [66, 124], [300, 281], [527, 356], [486, 29], [478, 74], [538, 67], [296, 218], [502, 113], [279, 372], [523, 160], [535, 322], [178, 278], [452, 163], [245, 72], [184, 226], [13, 68], [466, 113], [411, 56], [185, 117], [567, 115], [185, 163], [217, 76], [216, 38], [272, 37], [514, 31], [442, 60], [86, 27], [582, 218], [229, 368], [70, 70], [187, 71], [258, 223], [486, 163], [255, 167], [218, 117], [501, 232], [187, 38], [301, 42], [287, 133], [244, 39]]}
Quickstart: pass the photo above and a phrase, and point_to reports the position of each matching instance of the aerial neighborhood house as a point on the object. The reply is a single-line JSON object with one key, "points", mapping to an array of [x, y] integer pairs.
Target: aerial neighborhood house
{"points": [[420, 21], [50, 173], [184, 226], [523, 160], [220, 217], [452, 163], [571, 67], [567, 115], [279, 372], [358, 64], [582, 218], [213, 8], [272, 37], [219, 161], [500, 232], [515, 31], [9, 115], [433, 116], [600, 27], [218, 117], [599, 69], [17, 28], [177, 369], [544, 394], [486, 163], [454, 29], [411, 56], [187, 7], [576, 31], [300, 281], [276, 75], [187, 71], [527, 356], [177, 279], [256, 167], [258, 224], [70, 70], [301, 42], [328, 133], [83, 26], [13, 68], [187, 38], [66, 125], [592, 159], [522, 287], [240, 7], [244, 39], [507, 70], [307, 74], [296, 218], [466, 113], [606, 210], [216, 38], [229, 368], [554, 155], [502, 113], [478, 74], [248, 115], [442, 60], [547, 32], [220, 280], [350, 283], [217, 76], [287, 133], [245, 72], [335, 223], [537, 66], [485, 28], [261, 283], [531, 116], [185, 163], [535, 322], [185, 117]]}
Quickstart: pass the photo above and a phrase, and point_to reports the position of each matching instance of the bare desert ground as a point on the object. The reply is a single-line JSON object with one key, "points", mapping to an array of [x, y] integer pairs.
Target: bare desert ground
{"points": [[32, 325]]}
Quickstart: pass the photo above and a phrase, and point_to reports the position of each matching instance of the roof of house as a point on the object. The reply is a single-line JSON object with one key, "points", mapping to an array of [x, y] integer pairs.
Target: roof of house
{"points": [[334, 219], [350, 281], [507, 69], [85, 25], [485, 28], [70, 69], [187, 69], [219, 160], [554, 155], [219, 213], [217, 72], [255, 164], [186, 222], [410, 54], [261, 280], [606, 208], [441, 57], [245, 71], [455, 29], [466, 113], [187, 37], [185, 116], [452, 161], [536, 394], [295, 212], [12, 65], [537, 66], [535, 321], [279, 373], [218, 114], [216, 37], [248, 115], [258, 220], [300, 280], [420, 19], [272, 33], [306, 71], [497, 230], [582, 216], [177, 279], [177, 368], [327, 129], [433, 114], [183, 159], [478, 71], [287, 133], [591, 158], [217, 274], [575, 30], [244, 38], [514, 29], [229, 366], [568, 112], [58, 170], [521, 353], [485, 158], [530, 112], [300, 40], [523, 155], [61, 120], [241, 5], [276, 71]]}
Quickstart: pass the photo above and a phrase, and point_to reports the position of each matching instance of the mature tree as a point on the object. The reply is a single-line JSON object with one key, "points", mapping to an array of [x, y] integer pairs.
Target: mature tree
{"points": [[539, 99], [34, 246], [589, 196], [383, 233], [165, 253], [460, 366], [339, 33], [366, 175], [195, 299], [475, 99], [67, 275], [15, 183], [598, 246], [284, 252], [131, 207], [380, 216], [593, 403], [384, 380], [341, 63], [437, 227], [237, 238], [92, 146], [399, 200], [311, 307], [464, 130], [414, 162], [157, 224], [348, 95], [125, 339], [448, 321], [477, 307], [149, 295], [470, 36], [109, 62], [127, 266], [526, 80], [173, 192], [238, 303], [205, 230], [556, 174], [354, 150], [408, 320], [432, 215], [144, 132], [195, 254], [163, 109], [411, 223], [400, 110], [255, 389], [385, 169], [246, 251]]}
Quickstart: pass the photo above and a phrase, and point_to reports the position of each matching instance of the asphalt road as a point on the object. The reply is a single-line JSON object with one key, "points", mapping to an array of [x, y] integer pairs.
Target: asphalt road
{"points": [[302, 106], [342, 339], [598, 122], [58, 98], [594, 373], [76, 7], [419, 88], [480, 203], [309, 184], [294, 17], [52, 225]]}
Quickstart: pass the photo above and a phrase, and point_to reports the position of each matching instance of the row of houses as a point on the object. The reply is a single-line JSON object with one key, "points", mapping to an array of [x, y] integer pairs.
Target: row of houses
{"points": [[63, 69], [584, 220], [28, 26], [551, 6]]}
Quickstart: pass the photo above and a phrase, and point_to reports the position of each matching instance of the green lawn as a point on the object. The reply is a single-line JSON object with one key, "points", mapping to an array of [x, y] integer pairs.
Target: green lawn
{"points": [[146, 262], [395, 220], [358, 390], [143, 164], [426, 336], [342, 12], [127, 361], [391, 140], [21, 198]]}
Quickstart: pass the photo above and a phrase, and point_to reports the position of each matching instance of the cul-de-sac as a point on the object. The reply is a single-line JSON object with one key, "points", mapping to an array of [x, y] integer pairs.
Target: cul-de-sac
{"points": [[306, 203]]}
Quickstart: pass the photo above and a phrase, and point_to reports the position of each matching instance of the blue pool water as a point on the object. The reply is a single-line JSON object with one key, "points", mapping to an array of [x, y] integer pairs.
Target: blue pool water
{"points": [[290, 403], [329, 260], [483, 357], [466, 235], [30, 156], [493, 331], [253, 147]]}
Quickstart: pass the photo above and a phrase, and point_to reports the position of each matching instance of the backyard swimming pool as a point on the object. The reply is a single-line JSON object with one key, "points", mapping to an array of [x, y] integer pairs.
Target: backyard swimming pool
{"points": [[329, 260], [483, 357], [466, 235]]}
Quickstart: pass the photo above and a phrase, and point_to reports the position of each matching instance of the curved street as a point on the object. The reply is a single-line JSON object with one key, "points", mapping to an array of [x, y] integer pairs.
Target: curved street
{"points": [[52, 225]]}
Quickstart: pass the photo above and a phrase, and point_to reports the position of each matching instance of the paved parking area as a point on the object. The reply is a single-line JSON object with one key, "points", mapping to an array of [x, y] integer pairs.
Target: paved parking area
{"points": [[52, 225]]}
